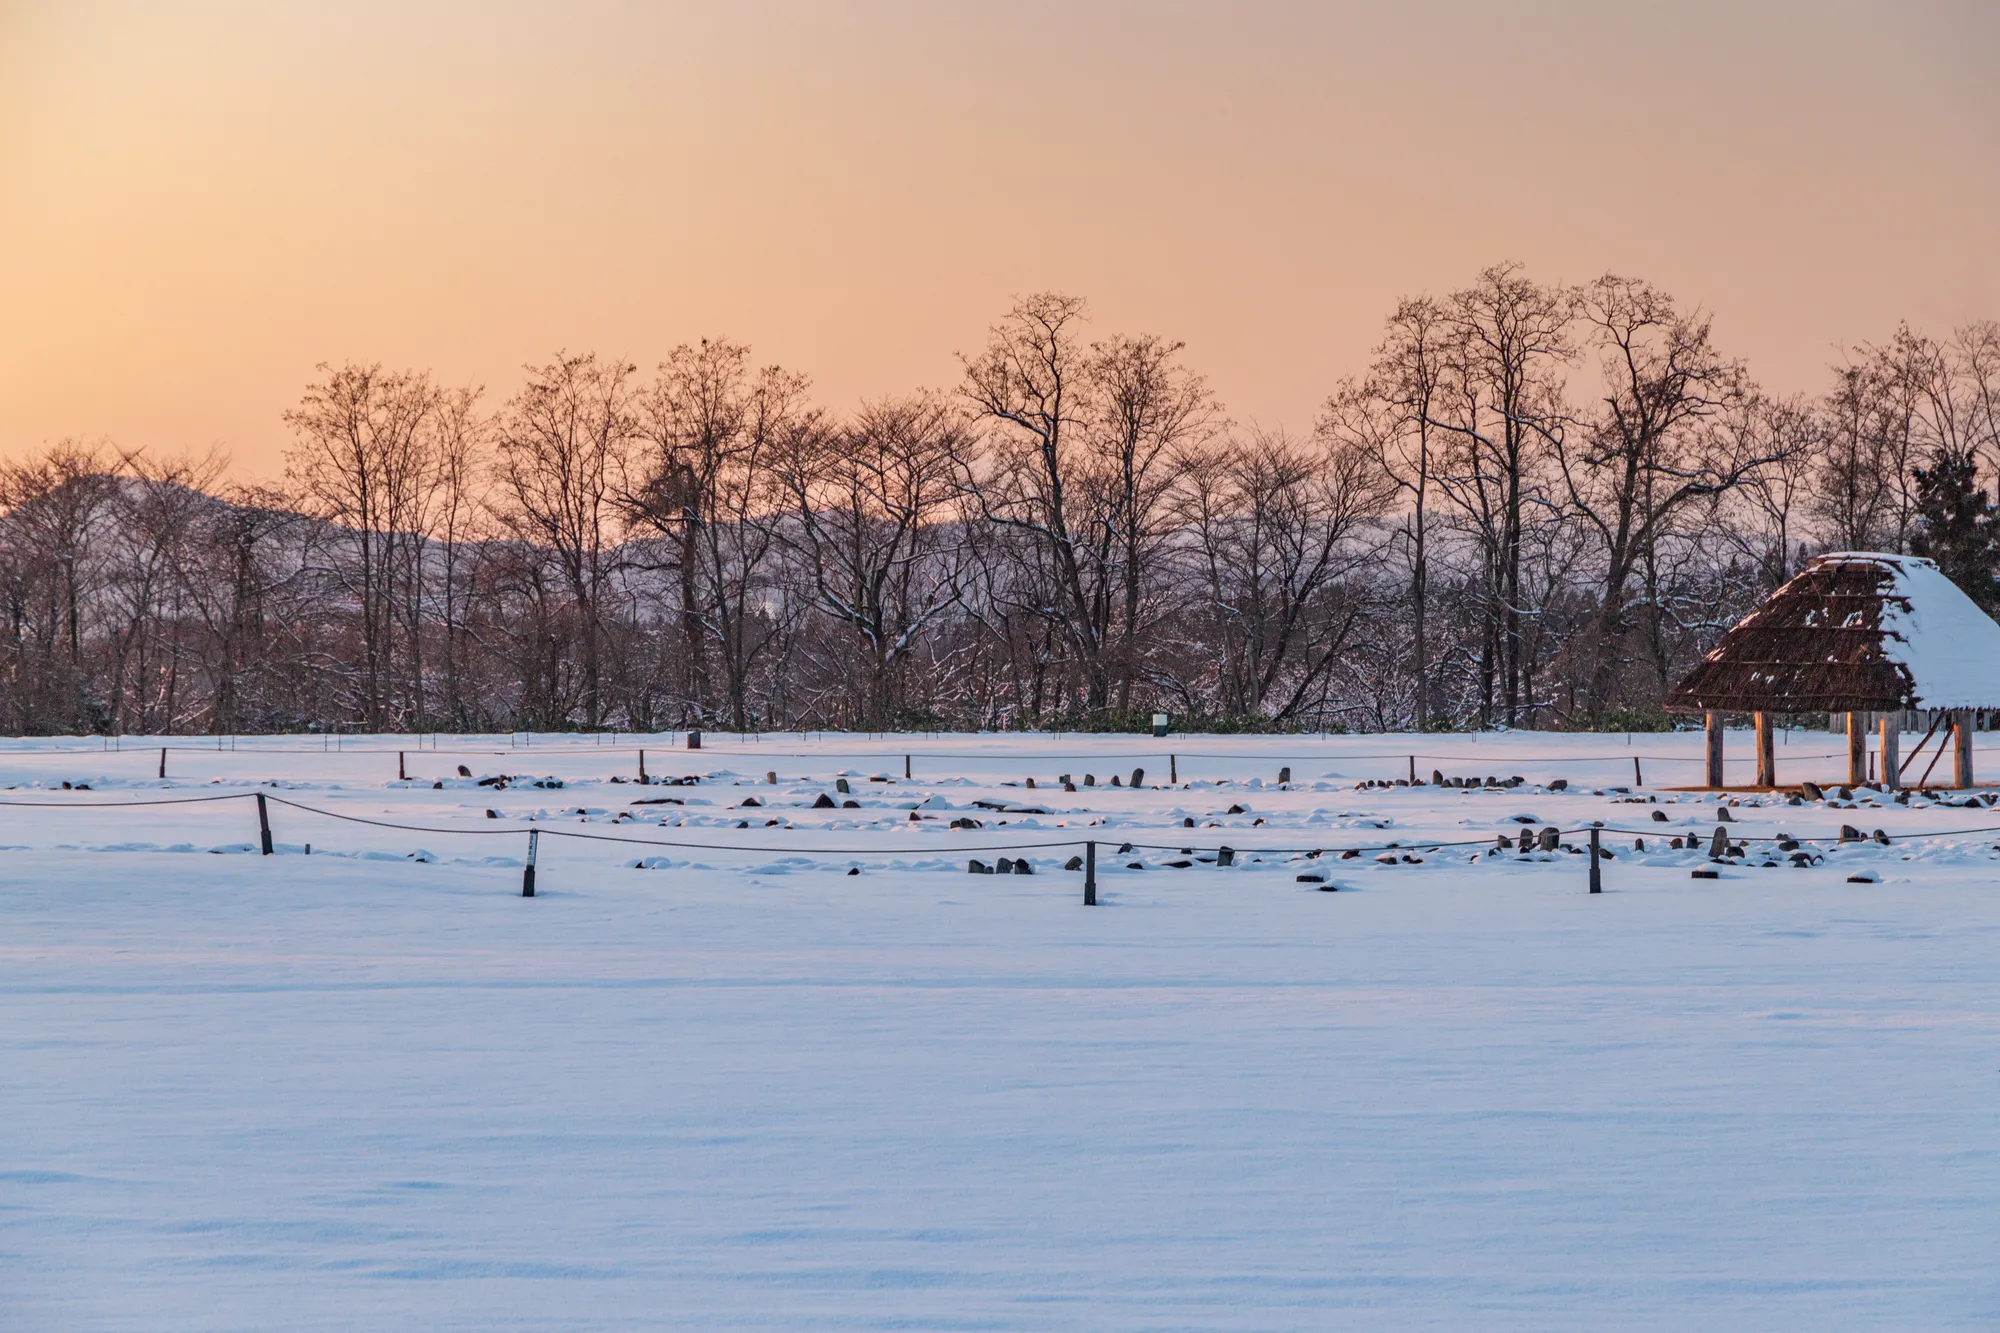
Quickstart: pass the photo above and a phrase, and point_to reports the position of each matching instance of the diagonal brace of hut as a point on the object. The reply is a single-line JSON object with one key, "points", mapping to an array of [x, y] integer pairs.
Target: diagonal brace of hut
{"points": [[1857, 632]]}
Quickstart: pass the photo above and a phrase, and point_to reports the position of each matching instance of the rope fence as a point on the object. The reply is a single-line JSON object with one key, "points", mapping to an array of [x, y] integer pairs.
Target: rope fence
{"points": [[1547, 838]]}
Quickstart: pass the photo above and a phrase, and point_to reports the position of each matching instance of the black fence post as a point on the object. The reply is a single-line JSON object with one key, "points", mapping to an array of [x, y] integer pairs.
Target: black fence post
{"points": [[1596, 875], [1090, 874], [906, 768], [163, 761], [1638, 777], [528, 872], [642, 769], [402, 774], [1173, 770], [264, 822]]}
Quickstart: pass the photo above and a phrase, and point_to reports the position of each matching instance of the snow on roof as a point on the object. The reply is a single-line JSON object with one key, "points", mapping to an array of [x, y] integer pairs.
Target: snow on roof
{"points": [[1939, 635]]}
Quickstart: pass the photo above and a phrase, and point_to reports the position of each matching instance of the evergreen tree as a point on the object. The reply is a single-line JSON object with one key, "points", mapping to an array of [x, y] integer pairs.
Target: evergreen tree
{"points": [[1957, 526]]}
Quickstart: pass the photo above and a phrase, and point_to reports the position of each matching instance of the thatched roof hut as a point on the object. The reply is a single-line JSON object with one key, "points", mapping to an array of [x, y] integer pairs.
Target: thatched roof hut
{"points": [[1856, 632]]}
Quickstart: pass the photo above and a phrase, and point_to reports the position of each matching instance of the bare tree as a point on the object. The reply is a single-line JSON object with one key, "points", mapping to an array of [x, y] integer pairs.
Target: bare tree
{"points": [[54, 504], [1084, 446], [1031, 387], [1146, 411], [1275, 525], [871, 501], [564, 454], [1767, 520], [362, 462], [157, 511], [710, 483], [1649, 452], [1394, 412], [1500, 405]]}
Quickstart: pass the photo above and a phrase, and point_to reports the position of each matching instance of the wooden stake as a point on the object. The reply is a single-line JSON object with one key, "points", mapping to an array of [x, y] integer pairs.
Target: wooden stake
{"points": [[1713, 723], [1767, 762], [1857, 749], [1961, 758], [1090, 874], [264, 823], [163, 761], [1596, 875]]}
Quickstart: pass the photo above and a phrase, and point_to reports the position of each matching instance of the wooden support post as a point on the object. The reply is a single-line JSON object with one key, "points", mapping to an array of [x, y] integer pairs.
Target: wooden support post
{"points": [[643, 781], [1767, 759], [1961, 756], [1713, 723], [1892, 744], [1090, 874], [264, 823], [1857, 749]]}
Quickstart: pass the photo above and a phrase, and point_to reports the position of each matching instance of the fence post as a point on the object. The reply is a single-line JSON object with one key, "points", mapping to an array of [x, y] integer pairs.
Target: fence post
{"points": [[906, 768], [264, 823], [1638, 778], [402, 775], [642, 768], [1090, 874], [1596, 876], [163, 761], [1173, 770], [528, 872]]}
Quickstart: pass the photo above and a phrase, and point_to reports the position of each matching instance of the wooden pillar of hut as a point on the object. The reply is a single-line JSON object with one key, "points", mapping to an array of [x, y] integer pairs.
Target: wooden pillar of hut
{"points": [[1713, 722], [1767, 755], [1961, 756], [1892, 762], [1857, 749]]}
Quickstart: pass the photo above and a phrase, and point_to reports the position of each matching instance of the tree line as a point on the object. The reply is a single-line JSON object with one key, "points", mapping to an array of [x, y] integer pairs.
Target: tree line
{"points": [[1535, 507]]}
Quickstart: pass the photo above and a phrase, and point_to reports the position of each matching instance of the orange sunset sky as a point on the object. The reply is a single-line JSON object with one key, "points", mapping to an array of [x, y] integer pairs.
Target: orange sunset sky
{"points": [[201, 200]]}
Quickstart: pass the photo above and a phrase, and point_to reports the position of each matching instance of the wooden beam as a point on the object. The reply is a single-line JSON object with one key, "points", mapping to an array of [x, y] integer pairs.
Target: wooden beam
{"points": [[1714, 725], [1961, 759], [1892, 736], [1857, 749], [1767, 756]]}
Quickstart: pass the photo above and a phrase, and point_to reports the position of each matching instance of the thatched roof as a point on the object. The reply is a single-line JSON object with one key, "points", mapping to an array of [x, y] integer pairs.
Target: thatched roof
{"points": [[1856, 631]]}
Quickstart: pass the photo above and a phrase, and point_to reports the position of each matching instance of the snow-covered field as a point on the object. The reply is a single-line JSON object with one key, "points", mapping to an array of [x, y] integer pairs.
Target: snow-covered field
{"points": [[374, 1087]]}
